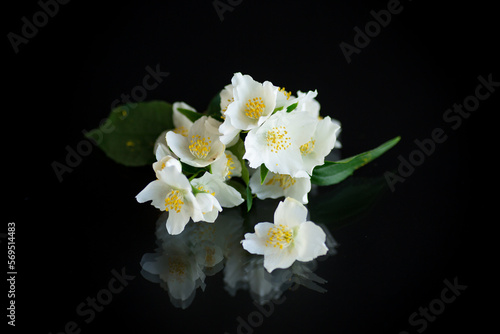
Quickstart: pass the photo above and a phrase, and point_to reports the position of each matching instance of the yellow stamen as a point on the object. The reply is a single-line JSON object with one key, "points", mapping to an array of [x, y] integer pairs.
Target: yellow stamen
{"points": [[181, 130], [202, 188], [287, 94], [277, 139], [255, 107], [174, 201], [200, 147], [283, 180], [279, 236], [223, 110], [307, 147], [229, 165]]}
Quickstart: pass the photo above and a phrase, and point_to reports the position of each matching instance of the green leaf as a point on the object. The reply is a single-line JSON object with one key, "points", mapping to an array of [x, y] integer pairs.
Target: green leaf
{"points": [[213, 108], [193, 116], [249, 198], [345, 204], [277, 109], [131, 130], [292, 107], [263, 173], [332, 172], [190, 169]]}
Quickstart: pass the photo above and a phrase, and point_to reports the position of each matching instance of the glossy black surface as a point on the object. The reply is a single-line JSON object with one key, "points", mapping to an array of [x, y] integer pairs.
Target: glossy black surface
{"points": [[82, 239]]}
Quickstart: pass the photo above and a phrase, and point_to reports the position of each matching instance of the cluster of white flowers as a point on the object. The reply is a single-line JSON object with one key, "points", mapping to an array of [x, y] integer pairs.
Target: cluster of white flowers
{"points": [[281, 133]]}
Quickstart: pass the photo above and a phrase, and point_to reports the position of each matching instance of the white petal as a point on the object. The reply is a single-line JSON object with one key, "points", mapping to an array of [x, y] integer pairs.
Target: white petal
{"points": [[226, 195], [176, 221], [209, 206], [229, 134], [253, 244], [193, 206], [212, 126], [226, 98], [290, 212], [227, 166], [308, 103], [287, 161], [173, 177], [299, 190], [180, 146], [166, 161], [310, 241], [254, 148], [281, 258], [178, 118], [268, 189], [245, 89], [161, 148], [261, 229], [155, 191]]}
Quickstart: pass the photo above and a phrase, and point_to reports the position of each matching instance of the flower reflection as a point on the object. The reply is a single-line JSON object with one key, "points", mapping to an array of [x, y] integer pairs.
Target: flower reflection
{"points": [[181, 262]]}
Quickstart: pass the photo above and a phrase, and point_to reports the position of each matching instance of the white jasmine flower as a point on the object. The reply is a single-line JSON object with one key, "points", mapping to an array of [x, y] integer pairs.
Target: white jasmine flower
{"points": [[229, 134], [209, 205], [280, 185], [172, 192], [164, 158], [277, 143], [227, 166], [226, 195], [320, 144], [284, 98], [182, 124], [291, 238], [201, 146], [253, 102], [226, 98], [161, 148], [307, 102]]}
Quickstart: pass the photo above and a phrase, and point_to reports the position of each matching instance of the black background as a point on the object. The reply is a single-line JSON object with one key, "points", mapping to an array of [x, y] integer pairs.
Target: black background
{"points": [[436, 225]]}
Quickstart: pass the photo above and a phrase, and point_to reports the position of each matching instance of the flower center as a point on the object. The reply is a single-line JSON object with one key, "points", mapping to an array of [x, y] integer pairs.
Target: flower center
{"points": [[174, 201], [229, 166], [277, 139], [223, 110], [209, 257], [254, 107], [200, 147], [181, 130], [283, 180], [177, 267], [203, 189], [307, 147], [287, 94], [279, 236]]}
